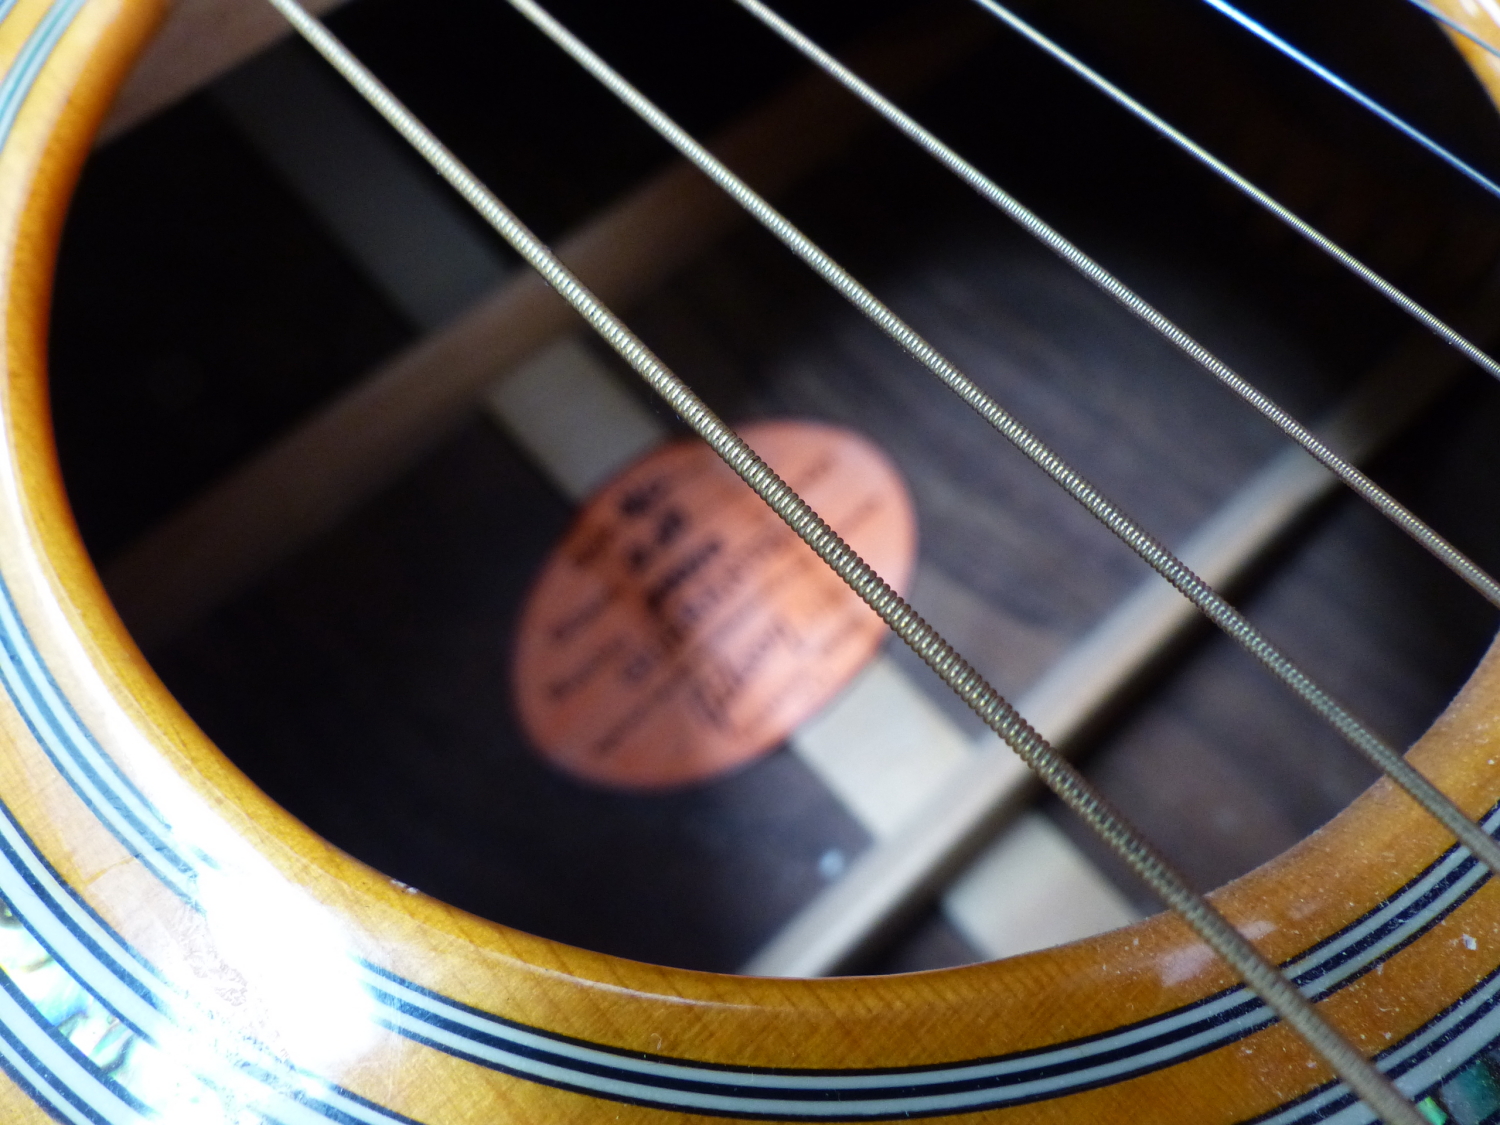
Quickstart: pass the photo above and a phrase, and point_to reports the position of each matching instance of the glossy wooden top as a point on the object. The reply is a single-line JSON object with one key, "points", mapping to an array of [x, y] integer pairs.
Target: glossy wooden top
{"points": [[177, 947]]}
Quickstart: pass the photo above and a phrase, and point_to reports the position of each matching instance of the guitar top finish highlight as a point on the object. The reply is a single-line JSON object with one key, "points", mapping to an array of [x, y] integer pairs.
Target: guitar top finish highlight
{"points": [[176, 948]]}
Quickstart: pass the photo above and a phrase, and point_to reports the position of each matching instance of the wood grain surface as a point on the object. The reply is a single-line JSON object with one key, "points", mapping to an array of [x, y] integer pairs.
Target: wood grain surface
{"points": [[272, 949]]}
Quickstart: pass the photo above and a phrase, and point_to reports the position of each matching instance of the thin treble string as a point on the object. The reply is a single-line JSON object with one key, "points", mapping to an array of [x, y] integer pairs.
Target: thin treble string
{"points": [[1378, 1092], [1202, 595], [1028, 220], [1266, 35], [1281, 212], [1453, 25]]}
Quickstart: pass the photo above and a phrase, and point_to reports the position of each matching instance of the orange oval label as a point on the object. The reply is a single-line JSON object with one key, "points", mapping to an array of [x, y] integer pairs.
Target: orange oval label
{"points": [[681, 628]]}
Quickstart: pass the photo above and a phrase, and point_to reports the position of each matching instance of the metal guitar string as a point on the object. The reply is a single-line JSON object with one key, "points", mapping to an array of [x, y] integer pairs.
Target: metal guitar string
{"points": [[986, 188], [1266, 35], [1453, 25], [1261, 198], [1152, 551], [1378, 1092]]}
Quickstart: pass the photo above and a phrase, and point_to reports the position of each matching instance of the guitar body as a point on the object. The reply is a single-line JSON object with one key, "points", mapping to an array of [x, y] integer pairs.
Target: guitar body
{"points": [[175, 947]]}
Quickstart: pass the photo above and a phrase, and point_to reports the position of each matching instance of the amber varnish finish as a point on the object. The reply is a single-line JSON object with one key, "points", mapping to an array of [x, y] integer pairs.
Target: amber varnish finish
{"points": [[265, 953]]}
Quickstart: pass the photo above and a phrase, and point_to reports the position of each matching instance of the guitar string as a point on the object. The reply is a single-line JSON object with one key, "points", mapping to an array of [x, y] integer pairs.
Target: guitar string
{"points": [[990, 191], [1163, 561], [1261, 198], [1266, 35], [1453, 25], [1362, 1076]]}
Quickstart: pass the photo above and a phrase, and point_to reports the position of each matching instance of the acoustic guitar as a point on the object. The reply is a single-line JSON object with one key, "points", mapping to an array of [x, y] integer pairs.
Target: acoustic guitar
{"points": [[177, 948]]}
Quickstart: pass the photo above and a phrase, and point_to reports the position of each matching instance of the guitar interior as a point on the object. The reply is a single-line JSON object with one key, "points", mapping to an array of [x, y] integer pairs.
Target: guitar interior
{"points": [[202, 309]]}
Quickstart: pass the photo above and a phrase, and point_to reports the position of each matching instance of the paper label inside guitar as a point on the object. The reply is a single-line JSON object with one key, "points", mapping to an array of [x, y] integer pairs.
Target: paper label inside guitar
{"points": [[681, 629]]}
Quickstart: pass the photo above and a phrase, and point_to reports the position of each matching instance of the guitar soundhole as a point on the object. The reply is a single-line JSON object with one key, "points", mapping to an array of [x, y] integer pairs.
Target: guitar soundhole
{"points": [[202, 308]]}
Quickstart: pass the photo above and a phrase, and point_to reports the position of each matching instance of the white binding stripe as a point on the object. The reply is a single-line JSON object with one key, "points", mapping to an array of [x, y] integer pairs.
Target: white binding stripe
{"points": [[83, 761], [56, 1070], [868, 1102], [1425, 1075], [45, 905], [1069, 1055], [77, 755]]}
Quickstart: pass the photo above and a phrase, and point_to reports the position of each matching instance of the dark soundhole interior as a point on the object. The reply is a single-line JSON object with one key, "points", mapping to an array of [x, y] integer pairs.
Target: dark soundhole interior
{"points": [[202, 309]]}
